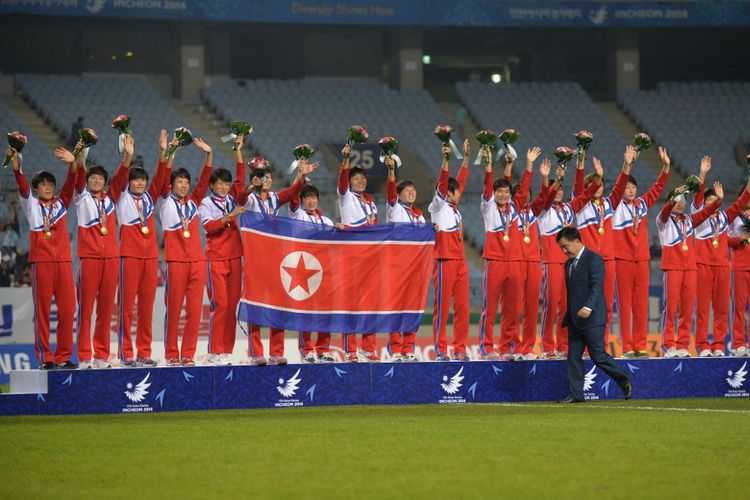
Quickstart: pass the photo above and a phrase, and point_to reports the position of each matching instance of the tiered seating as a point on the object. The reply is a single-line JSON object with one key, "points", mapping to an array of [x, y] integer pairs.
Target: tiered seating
{"points": [[695, 119], [546, 115]]}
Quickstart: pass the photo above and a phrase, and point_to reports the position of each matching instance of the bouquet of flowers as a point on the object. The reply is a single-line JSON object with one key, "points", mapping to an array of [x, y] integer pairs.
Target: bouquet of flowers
{"points": [[302, 151], [16, 140], [259, 163], [692, 184], [508, 137], [584, 138], [357, 135], [88, 137], [121, 123], [563, 154], [239, 128], [443, 132], [389, 145], [641, 141], [487, 139], [184, 136]]}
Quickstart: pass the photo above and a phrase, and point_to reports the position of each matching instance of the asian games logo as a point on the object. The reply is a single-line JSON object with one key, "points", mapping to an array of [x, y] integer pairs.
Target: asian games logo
{"points": [[301, 275], [287, 389], [736, 381], [137, 394], [451, 385], [95, 6]]}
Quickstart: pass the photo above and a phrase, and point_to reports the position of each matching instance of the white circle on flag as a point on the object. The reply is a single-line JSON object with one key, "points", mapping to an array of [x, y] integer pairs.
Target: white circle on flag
{"points": [[301, 275]]}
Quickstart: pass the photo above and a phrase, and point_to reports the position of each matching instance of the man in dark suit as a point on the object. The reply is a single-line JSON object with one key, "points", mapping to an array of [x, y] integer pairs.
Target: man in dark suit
{"points": [[586, 315]]}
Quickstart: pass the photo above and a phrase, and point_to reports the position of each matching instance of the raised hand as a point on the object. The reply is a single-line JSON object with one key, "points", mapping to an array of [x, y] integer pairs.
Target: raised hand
{"points": [[128, 145], [239, 141], [630, 155], [560, 172], [64, 155], [533, 153], [665, 161], [719, 188], [545, 167], [467, 148], [13, 155], [307, 168], [346, 151], [446, 150], [486, 155], [598, 168], [202, 145], [390, 163], [705, 165], [163, 140]]}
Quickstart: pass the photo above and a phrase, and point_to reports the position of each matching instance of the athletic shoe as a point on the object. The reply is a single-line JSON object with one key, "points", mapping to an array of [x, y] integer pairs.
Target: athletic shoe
{"points": [[259, 361], [642, 355], [396, 358], [507, 357], [130, 363], [101, 364], [491, 356], [683, 353], [705, 353], [742, 351], [410, 357], [368, 356], [277, 360], [309, 358], [85, 365], [170, 362], [68, 365], [351, 357], [561, 354], [145, 362], [213, 359], [188, 362], [629, 355], [718, 353], [326, 357], [48, 365], [549, 355], [442, 357], [671, 353], [225, 361], [517, 357], [530, 356], [460, 356]]}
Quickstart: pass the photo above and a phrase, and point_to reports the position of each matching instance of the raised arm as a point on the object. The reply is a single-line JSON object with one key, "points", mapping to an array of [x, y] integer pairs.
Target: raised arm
{"points": [[390, 181], [23, 186], [293, 191], [580, 173], [160, 175], [240, 169], [699, 217], [68, 188], [704, 168], [580, 201], [119, 180], [739, 205], [463, 172], [202, 186], [343, 186], [166, 184], [615, 197], [489, 179]]}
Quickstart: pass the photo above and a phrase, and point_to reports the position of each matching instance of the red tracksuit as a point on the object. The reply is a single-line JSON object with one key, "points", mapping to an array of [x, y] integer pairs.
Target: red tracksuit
{"points": [[269, 207], [740, 281], [594, 222], [503, 271], [451, 273], [632, 261], [680, 271], [712, 259], [186, 266], [356, 210], [224, 259], [554, 305], [51, 269], [532, 269], [139, 265], [99, 258]]}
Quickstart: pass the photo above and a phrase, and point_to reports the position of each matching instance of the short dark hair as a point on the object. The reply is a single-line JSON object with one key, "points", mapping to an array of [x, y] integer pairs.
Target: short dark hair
{"points": [[406, 183], [453, 185], [42, 176], [500, 183], [357, 170], [220, 174], [180, 173], [261, 172], [97, 170], [569, 233], [308, 191], [137, 173], [709, 192], [632, 181]]}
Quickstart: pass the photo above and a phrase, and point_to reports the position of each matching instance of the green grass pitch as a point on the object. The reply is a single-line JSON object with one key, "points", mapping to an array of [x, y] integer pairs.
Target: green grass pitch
{"points": [[660, 449]]}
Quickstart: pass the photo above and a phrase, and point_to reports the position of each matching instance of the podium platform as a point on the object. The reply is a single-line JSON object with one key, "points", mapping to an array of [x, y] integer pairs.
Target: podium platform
{"points": [[146, 390]]}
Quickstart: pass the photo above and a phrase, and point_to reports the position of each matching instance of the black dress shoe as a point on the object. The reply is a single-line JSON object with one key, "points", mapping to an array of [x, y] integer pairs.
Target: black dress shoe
{"points": [[48, 365], [570, 400], [627, 390]]}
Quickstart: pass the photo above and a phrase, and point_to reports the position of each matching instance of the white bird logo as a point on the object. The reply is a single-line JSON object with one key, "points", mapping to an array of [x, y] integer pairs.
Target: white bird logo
{"points": [[598, 16], [588, 379], [454, 384], [738, 378], [139, 393], [290, 387], [94, 6]]}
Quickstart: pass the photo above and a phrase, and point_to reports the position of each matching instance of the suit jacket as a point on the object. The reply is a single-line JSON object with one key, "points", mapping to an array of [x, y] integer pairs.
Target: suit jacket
{"points": [[585, 288]]}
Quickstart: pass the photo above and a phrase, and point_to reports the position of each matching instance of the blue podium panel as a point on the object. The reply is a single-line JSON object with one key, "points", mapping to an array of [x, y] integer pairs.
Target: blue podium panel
{"points": [[234, 387]]}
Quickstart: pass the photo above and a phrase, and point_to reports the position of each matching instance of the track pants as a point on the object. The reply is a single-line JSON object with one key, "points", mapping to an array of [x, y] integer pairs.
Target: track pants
{"points": [[500, 285], [450, 281], [741, 286], [679, 297], [632, 302], [713, 291], [530, 284], [554, 306], [97, 282], [321, 346], [53, 279], [185, 283], [224, 288], [137, 279]]}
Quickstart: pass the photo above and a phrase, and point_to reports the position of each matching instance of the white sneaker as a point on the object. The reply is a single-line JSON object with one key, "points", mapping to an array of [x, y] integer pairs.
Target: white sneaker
{"points": [[561, 354], [397, 358], [530, 356], [102, 364], [683, 353], [410, 357], [85, 365], [214, 359], [705, 353], [224, 358], [671, 353], [326, 357], [309, 358], [742, 351], [507, 357], [518, 357], [717, 353]]}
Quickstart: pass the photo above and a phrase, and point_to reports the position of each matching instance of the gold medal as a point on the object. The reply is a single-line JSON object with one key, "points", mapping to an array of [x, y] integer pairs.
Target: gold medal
{"points": [[715, 243], [685, 247], [506, 238], [186, 233], [47, 235], [526, 240], [103, 230], [144, 229], [601, 230]]}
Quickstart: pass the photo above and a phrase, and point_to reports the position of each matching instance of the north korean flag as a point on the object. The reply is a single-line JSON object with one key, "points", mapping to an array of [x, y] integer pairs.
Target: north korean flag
{"points": [[301, 276]]}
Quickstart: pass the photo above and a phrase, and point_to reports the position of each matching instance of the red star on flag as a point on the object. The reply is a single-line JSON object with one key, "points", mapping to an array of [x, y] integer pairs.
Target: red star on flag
{"points": [[300, 275]]}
